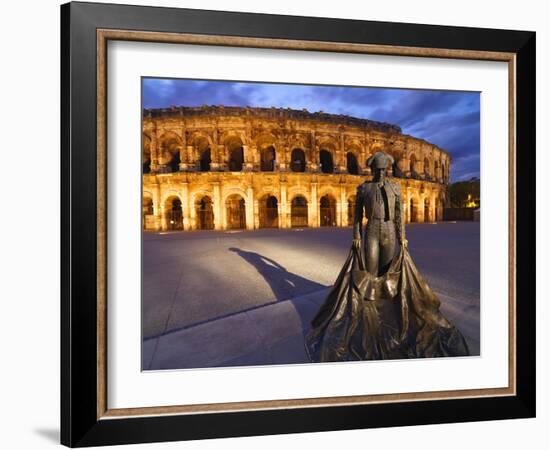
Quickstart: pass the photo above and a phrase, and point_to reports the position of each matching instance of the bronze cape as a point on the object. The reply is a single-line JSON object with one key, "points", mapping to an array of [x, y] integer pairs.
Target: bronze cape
{"points": [[393, 316]]}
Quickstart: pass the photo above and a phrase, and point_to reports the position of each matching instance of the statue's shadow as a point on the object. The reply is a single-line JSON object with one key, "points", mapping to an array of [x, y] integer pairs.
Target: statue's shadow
{"points": [[285, 285]]}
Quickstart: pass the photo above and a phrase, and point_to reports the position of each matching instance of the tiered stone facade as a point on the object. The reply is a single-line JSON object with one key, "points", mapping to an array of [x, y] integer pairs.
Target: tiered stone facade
{"points": [[216, 167]]}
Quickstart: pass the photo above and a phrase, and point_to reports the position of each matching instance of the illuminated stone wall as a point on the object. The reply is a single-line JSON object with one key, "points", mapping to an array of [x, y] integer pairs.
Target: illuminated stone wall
{"points": [[227, 168]]}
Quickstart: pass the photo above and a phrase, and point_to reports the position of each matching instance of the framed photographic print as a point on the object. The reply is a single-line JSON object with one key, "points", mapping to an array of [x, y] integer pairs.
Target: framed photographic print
{"points": [[277, 224]]}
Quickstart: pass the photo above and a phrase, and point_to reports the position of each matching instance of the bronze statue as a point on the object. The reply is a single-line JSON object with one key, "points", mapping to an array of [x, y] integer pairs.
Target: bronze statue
{"points": [[380, 199], [380, 306]]}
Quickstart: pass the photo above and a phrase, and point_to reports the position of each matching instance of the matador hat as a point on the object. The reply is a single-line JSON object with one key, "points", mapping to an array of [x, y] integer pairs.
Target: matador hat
{"points": [[380, 160]]}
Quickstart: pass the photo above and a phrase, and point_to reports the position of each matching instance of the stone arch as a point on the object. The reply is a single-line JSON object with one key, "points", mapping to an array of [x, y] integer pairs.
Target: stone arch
{"points": [[202, 147], [205, 160], [235, 211], [327, 211], [299, 140], [234, 153], [267, 159], [269, 191], [355, 147], [268, 211], [437, 175], [427, 209], [427, 167], [173, 211], [328, 190], [197, 139], [299, 211], [295, 191], [146, 154], [148, 211], [326, 161], [170, 144], [298, 160], [233, 136], [329, 142], [265, 139], [413, 210], [351, 163], [204, 212]]}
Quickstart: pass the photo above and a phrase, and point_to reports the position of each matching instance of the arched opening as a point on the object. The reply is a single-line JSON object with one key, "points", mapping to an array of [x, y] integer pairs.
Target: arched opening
{"points": [[269, 215], [412, 210], [174, 216], [298, 160], [205, 213], [351, 210], [325, 159], [146, 155], [436, 211], [146, 164], [351, 162], [443, 172], [205, 160], [175, 162], [148, 213], [235, 212], [267, 159], [168, 153], [327, 211], [427, 168], [426, 210], [298, 212], [396, 171], [236, 159]]}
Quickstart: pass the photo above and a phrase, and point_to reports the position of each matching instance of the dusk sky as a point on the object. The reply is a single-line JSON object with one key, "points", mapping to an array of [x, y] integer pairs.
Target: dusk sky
{"points": [[445, 118]]}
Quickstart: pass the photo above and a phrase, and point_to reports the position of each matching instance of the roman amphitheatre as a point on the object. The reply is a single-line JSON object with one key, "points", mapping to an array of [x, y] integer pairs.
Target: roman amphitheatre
{"points": [[231, 168]]}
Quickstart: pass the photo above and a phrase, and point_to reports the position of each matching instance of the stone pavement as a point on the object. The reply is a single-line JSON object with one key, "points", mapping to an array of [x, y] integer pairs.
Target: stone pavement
{"points": [[213, 299]]}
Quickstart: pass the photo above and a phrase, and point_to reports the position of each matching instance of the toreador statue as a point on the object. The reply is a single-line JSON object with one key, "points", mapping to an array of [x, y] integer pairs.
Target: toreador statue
{"points": [[380, 306], [380, 201]]}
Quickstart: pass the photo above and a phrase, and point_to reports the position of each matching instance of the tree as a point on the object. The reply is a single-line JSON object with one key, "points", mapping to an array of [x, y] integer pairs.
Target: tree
{"points": [[465, 194]]}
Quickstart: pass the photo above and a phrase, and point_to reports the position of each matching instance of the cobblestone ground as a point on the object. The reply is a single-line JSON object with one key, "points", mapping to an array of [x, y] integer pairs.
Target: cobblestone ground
{"points": [[242, 298]]}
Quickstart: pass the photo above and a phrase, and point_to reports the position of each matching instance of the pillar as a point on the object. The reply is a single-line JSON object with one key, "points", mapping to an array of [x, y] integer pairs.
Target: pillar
{"points": [[185, 206], [313, 207], [156, 207], [154, 151], [408, 217], [163, 224], [283, 207], [338, 213], [217, 206], [192, 215], [344, 208], [249, 208], [420, 209], [248, 165], [256, 214]]}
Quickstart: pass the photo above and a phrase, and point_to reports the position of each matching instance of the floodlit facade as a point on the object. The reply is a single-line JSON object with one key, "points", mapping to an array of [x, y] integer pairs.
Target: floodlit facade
{"points": [[219, 168]]}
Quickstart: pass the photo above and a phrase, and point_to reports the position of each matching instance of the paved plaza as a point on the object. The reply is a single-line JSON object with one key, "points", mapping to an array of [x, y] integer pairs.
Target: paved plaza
{"points": [[223, 298]]}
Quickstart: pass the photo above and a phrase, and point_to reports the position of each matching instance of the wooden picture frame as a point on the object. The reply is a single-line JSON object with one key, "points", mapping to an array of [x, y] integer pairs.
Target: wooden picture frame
{"points": [[86, 418]]}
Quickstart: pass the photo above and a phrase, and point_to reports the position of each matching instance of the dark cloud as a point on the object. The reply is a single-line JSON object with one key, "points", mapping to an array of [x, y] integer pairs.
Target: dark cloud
{"points": [[446, 118]]}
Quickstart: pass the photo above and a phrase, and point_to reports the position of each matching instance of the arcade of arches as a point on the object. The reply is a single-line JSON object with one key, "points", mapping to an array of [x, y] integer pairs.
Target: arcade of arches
{"points": [[222, 168]]}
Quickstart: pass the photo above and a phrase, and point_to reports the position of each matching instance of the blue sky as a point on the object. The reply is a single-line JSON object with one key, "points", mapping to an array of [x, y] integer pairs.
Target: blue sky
{"points": [[446, 118]]}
